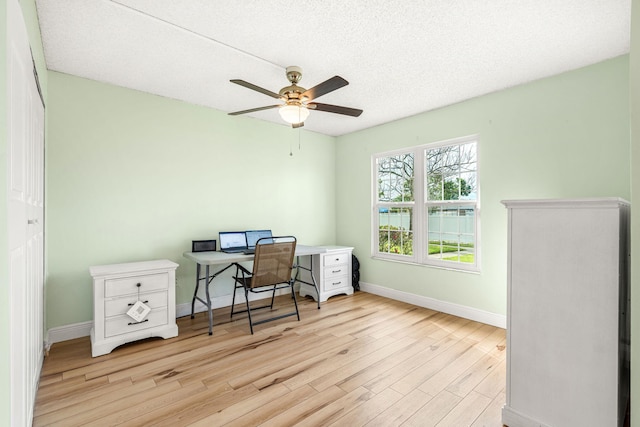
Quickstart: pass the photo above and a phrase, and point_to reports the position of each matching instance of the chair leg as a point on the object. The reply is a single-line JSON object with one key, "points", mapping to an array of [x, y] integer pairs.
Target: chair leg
{"points": [[273, 297], [246, 296], [233, 301]]}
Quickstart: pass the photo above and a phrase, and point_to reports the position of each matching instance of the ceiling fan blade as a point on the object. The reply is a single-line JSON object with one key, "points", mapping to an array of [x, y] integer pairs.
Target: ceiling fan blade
{"points": [[268, 107], [256, 88], [297, 125], [354, 112], [335, 82]]}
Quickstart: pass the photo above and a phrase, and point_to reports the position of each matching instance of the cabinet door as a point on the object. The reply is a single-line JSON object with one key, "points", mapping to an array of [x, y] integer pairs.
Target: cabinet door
{"points": [[563, 326], [25, 201]]}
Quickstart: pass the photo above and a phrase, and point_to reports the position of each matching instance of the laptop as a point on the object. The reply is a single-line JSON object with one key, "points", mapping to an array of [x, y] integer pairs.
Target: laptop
{"points": [[233, 242], [252, 238]]}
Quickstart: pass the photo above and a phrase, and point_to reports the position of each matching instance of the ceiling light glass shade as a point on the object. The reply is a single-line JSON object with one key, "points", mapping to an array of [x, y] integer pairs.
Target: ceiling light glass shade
{"points": [[294, 114]]}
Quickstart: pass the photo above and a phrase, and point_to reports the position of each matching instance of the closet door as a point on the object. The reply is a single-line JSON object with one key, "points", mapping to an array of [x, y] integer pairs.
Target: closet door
{"points": [[25, 125]]}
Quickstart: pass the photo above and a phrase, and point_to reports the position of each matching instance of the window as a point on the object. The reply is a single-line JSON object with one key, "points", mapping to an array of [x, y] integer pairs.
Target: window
{"points": [[433, 219]]}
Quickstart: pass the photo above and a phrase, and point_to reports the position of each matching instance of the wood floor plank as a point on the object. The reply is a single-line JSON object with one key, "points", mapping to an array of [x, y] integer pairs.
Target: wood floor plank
{"points": [[434, 410], [470, 378], [150, 403], [355, 366], [336, 409], [451, 371], [297, 355], [199, 406], [273, 408], [401, 410], [359, 360], [245, 406], [465, 413], [495, 382], [301, 410], [91, 409], [371, 373], [368, 410], [492, 413]]}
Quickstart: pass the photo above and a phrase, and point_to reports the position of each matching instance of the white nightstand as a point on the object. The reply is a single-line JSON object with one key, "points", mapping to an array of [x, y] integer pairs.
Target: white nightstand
{"points": [[332, 270], [117, 287]]}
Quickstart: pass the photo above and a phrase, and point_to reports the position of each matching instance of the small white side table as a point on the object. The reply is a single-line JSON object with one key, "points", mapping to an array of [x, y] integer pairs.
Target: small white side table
{"points": [[332, 270], [117, 287]]}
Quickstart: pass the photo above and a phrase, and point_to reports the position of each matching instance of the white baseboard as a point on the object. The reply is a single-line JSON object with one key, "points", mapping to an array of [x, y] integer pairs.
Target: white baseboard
{"points": [[511, 417], [83, 329], [67, 332], [466, 312]]}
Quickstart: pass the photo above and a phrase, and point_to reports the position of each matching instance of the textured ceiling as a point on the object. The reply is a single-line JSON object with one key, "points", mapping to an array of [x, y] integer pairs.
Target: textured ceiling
{"points": [[400, 57]]}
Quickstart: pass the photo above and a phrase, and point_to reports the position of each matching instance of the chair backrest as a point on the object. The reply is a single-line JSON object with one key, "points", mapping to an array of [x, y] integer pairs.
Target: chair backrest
{"points": [[273, 261]]}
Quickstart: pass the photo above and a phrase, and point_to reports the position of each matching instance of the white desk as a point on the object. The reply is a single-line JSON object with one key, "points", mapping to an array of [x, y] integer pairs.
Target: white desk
{"points": [[208, 259]]}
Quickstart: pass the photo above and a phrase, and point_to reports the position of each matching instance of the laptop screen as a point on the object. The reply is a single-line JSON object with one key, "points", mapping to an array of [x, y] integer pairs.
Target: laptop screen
{"points": [[232, 239], [254, 235]]}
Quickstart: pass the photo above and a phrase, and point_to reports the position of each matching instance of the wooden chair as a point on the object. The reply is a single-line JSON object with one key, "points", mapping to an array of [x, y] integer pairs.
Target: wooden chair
{"points": [[272, 268]]}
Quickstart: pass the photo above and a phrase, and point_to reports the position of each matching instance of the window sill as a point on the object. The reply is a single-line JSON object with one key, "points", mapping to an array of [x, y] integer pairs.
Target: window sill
{"points": [[473, 270]]}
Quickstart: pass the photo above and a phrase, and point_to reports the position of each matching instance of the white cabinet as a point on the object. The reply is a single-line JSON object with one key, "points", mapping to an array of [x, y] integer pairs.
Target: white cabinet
{"points": [[568, 313], [332, 271], [117, 287]]}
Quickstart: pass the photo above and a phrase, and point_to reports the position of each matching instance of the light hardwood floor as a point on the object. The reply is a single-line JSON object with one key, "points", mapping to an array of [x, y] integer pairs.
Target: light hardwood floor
{"points": [[359, 360]]}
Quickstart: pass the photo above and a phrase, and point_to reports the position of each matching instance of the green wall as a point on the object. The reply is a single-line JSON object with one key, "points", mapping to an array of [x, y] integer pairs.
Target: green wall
{"points": [[133, 176], [560, 137]]}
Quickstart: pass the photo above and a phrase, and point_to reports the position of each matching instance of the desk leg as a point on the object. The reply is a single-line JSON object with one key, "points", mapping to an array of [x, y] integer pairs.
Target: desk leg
{"points": [[195, 292], [313, 279], [210, 312]]}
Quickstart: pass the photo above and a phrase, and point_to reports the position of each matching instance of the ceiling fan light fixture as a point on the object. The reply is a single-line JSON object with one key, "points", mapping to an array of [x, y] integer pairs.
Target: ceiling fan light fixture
{"points": [[294, 114]]}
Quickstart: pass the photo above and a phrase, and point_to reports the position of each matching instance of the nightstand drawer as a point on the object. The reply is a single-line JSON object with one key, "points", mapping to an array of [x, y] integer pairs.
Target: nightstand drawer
{"points": [[129, 285], [124, 324], [335, 271], [118, 306], [337, 259], [335, 283]]}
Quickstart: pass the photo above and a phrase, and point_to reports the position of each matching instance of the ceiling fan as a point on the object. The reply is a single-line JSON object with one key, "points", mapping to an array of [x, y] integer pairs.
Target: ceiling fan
{"points": [[298, 100]]}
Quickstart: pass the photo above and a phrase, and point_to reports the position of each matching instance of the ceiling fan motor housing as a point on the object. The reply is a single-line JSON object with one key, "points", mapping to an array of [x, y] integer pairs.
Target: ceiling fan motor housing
{"points": [[292, 93]]}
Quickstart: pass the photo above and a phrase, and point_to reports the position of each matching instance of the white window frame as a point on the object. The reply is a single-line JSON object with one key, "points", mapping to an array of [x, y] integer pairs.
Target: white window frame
{"points": [[420, 207]]}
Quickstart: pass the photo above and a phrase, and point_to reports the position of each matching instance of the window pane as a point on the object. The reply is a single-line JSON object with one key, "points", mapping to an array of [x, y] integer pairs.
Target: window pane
{"points": [[451, 233], [434, 186], [451, 172], [468, 157], [468, 186], [396, 234], [395, 178], [434, 220]]}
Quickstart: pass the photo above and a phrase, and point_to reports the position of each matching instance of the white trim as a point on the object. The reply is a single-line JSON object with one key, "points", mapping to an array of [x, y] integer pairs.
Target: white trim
{"points": [[588, 203], [512, 417], [471, 313], [67, 332]]}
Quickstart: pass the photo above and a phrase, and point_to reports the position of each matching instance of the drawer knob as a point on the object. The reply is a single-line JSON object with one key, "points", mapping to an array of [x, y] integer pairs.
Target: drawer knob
{"points": [[336, 271], [137, 323]]}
